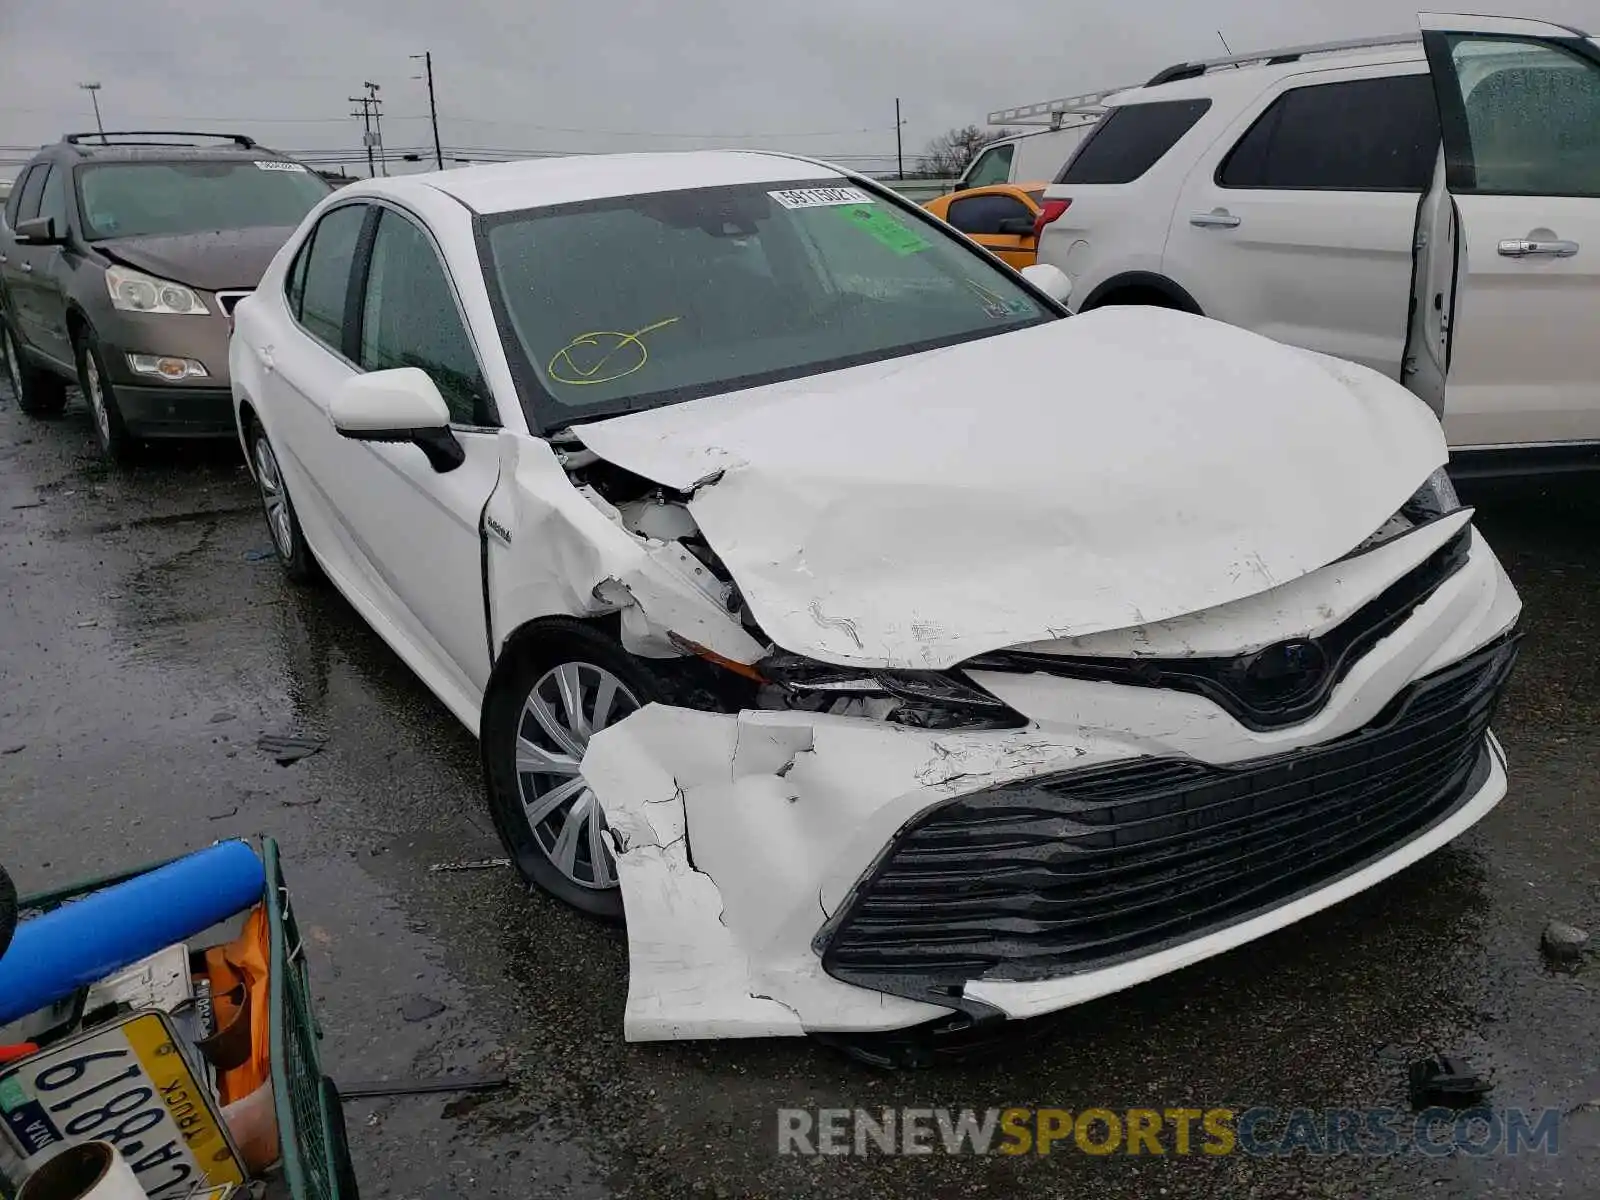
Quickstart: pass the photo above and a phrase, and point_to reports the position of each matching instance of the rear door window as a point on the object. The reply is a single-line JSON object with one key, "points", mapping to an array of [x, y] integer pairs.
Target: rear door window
{"points": [[1362, 135], [1128, 141], [326, 283], [32, 192], [14, 201], [53, 200]]}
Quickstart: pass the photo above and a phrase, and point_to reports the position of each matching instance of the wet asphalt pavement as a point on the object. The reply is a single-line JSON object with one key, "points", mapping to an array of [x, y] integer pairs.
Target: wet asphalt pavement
{"points": [[147, 641]]}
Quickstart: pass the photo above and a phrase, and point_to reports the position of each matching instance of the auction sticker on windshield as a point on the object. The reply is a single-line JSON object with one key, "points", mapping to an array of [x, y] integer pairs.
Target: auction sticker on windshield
{"points": [[275, 165], [129, 1084], [822, 197]]}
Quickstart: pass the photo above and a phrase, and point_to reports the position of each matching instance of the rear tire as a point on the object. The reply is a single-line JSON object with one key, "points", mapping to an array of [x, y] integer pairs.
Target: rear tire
{"points": [[116, 443], [39, 393], [606, 683]]}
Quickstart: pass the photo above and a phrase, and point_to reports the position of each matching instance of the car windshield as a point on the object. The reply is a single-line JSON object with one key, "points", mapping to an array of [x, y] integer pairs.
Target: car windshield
{"points": [[148, 199], [638, 301]]}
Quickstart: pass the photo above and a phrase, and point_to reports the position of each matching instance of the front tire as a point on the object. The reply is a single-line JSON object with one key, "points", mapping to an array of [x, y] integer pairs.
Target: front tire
{"points": [[283, 523], [116, 443], [550, 697], [38, 393]]}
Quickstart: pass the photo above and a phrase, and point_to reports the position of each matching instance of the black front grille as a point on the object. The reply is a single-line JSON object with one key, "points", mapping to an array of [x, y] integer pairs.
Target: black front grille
{"points": [[1285, 693], [1069, 872]]}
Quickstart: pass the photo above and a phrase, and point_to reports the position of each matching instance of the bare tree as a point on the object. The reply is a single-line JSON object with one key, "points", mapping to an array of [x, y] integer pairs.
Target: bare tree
{"points": [[949, 154]]}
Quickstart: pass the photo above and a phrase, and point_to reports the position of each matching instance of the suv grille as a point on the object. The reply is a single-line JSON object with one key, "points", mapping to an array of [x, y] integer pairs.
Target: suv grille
{"points": [[1065, 873]]}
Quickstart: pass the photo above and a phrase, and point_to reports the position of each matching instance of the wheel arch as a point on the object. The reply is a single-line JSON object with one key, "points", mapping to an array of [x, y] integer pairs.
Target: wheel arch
{"points": [[1118, 288], [78, 322], [530, 633], [244, 416]]}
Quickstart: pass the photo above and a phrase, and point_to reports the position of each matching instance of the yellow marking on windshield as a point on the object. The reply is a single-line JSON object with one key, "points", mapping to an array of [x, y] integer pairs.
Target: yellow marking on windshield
{"points": [[563, 368]]}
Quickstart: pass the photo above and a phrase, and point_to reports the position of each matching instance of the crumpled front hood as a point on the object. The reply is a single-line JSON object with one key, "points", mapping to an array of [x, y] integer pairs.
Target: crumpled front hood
{"points": [[1121, 467], [215, 260]]}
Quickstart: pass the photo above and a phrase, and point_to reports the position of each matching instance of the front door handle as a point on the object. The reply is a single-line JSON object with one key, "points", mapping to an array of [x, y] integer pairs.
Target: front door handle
{"points": [[27, 268], [1217, 218], [268, 363], [1537, 247]]}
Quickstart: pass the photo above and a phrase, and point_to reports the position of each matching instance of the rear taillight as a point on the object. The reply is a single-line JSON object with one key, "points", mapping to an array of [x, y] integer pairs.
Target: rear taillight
{"points": [[1051, 210]]}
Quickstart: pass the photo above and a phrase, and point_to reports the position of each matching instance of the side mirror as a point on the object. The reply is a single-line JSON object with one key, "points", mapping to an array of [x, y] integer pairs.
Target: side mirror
{"points": [[1017, 226], [401, 405], [41, 231], [1050, 280]]}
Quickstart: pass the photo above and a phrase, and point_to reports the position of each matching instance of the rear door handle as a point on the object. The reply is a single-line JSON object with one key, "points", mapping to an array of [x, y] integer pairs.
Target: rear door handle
{"points": [[27, 268], [1534, 247], [1217, 218]]}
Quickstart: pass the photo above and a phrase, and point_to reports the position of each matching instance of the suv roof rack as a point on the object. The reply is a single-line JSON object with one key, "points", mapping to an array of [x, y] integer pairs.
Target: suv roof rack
{"points": [[1050, 113], [96, 136], [1193, 70]]}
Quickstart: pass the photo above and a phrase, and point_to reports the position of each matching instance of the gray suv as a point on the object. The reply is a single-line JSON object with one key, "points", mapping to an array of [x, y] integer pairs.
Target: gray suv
{"points": [[122, 256]]}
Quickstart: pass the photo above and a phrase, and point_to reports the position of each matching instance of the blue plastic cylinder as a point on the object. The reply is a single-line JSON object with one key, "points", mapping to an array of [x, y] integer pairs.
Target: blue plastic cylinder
{"points": [[55, 954]]}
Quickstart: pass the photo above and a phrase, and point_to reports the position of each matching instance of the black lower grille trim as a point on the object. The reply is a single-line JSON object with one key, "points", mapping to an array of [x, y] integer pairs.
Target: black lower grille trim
{"points": [[1231, 683], [1068, 873]]}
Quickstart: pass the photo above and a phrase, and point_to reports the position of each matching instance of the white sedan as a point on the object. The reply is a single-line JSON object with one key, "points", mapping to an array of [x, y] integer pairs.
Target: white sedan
{"points": [[894, 649]]}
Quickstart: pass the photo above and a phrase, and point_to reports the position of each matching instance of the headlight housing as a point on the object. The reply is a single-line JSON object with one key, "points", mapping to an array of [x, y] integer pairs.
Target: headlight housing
{"points": [[923, 699], [134, 291], [1434, 499]]}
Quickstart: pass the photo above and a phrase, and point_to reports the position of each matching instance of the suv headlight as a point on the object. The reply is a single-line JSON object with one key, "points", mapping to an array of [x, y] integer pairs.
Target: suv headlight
{"points": [[134, 291], [924, 699]]}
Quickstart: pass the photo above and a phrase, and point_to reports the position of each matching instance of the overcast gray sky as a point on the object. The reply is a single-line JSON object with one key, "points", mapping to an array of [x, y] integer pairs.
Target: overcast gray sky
{"points": [[570, 75]]}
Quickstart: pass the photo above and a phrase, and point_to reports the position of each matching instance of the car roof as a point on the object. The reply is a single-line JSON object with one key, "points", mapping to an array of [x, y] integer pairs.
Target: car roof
{"points": [[1246, 80], [536, 183], [162, 153]]}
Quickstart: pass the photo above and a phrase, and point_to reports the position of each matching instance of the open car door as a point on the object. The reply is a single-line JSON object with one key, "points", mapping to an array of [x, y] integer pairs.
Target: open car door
{"points": [[1507, 278]]}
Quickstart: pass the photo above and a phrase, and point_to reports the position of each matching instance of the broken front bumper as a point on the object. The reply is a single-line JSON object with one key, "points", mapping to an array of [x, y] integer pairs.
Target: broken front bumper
{"points": [[787, 872]]}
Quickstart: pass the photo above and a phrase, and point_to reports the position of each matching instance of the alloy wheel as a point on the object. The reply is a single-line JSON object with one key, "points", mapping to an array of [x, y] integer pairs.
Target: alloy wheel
{"points": [[568, 705], [95, 393], [274, 499]]}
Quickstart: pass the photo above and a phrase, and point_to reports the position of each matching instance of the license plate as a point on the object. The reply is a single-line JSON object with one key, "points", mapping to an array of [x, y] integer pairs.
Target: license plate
{"points": [[128, 1084]]}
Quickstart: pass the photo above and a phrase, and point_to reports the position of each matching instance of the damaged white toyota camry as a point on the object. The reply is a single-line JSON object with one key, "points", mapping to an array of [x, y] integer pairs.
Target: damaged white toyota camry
{"points": [[894, 650]]}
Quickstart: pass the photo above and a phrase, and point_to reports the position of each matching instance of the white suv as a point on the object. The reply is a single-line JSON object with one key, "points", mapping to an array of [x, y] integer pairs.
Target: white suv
{"points": [[1426, 206]]}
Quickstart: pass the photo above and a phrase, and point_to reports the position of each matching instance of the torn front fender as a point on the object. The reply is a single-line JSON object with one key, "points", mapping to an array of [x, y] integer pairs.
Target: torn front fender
{"points": [[557, 550]]}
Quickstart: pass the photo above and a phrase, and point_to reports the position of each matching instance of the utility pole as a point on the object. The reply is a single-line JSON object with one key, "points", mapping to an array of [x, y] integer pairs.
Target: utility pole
{"points": [[899, 151], [369, 112], [377, 124], [94, 94], [365, 113], [433, 109]]}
